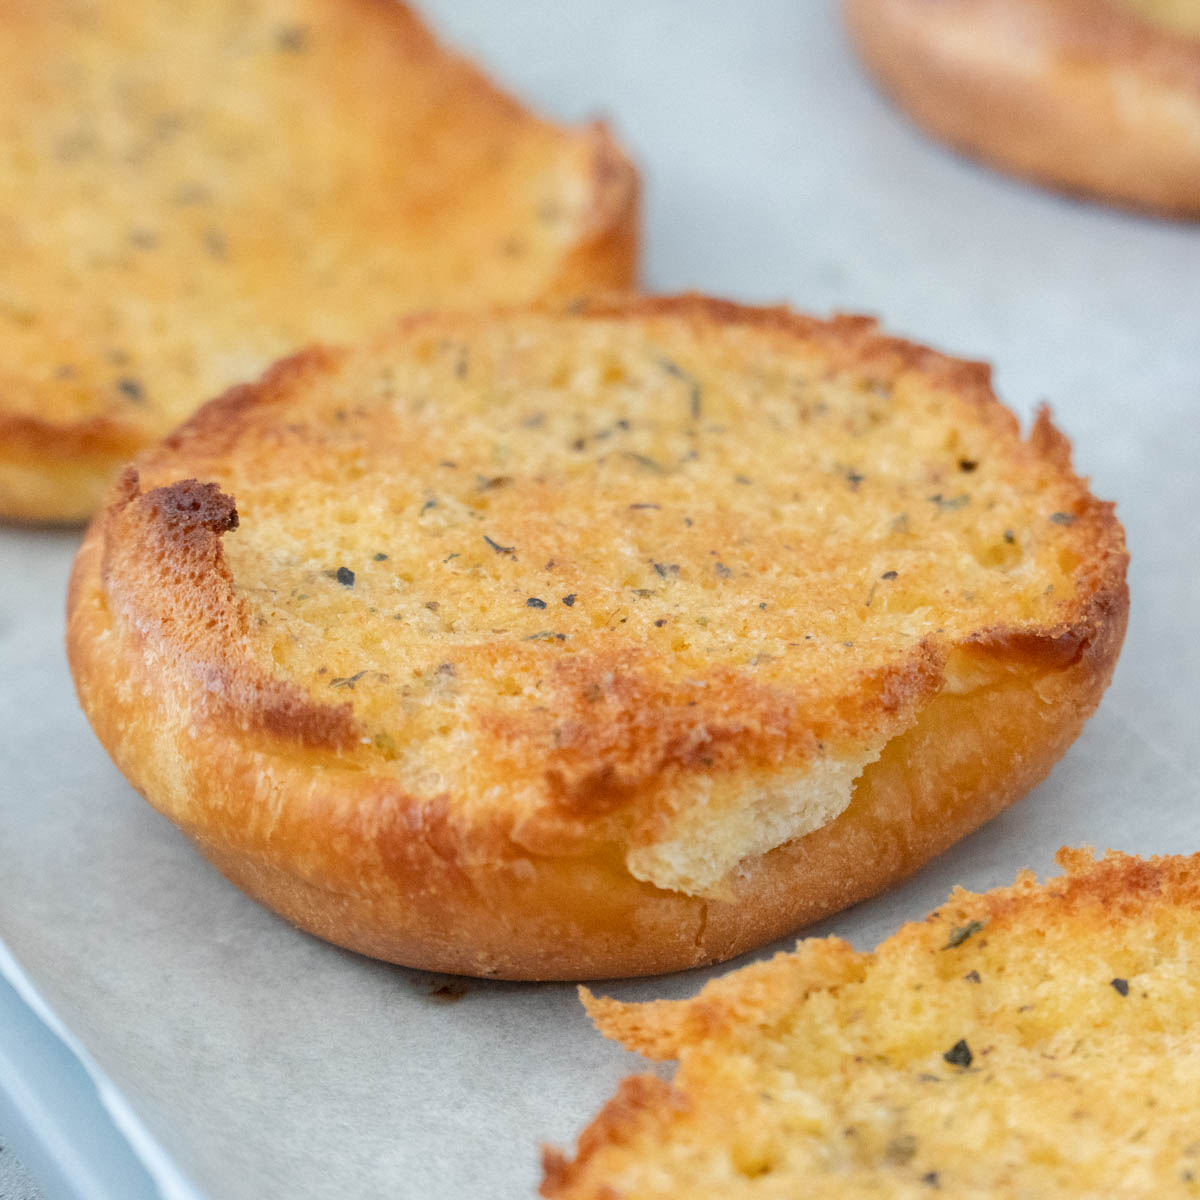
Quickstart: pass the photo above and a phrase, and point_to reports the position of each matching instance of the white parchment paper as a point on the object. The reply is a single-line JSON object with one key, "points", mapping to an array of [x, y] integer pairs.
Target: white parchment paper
{"points": [[269, 1064]]}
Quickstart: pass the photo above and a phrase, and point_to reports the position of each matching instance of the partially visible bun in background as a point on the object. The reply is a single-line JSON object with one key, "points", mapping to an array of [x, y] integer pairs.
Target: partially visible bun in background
{"points": [[1037, 1040], [1098, 97], [549, 644], [191, 191]]}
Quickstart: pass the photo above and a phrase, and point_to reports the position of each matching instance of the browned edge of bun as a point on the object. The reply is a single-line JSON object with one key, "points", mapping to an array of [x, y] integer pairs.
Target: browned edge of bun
{"points": [[52, 474], [358, 862], [1080, 95]]}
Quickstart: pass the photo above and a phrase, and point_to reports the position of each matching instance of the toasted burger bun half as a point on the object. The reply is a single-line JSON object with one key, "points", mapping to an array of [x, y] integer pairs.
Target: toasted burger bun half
{"points": [[1096, 97], [192, 191], [553, 645], [1036, 1040]]}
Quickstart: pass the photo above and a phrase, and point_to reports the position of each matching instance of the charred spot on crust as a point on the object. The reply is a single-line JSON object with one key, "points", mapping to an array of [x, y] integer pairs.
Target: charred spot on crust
{"points": [[191, 502]]}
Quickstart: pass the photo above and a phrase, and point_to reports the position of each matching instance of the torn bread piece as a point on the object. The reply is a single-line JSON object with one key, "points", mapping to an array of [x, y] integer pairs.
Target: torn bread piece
{"points": [[1037, 1040], [192, 191], [568, 644], [1099, 97]]}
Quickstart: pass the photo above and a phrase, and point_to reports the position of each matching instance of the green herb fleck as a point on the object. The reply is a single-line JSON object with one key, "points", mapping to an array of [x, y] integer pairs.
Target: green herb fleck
{"points": [[723, 572], [534, 602], [484, 483], [499, 549], [380, 556], [1120, 986], [960, 935], [950, 503], [930, 1179], [569, 601], [545, 635], [695, 391], [902, 1149], [644, 460], [344, 576], [666, 570], [1062, 518], [972, 977], [132, 390], [347, 681], [890, 575], [430, 503], [641, 506], [959, 1055]]}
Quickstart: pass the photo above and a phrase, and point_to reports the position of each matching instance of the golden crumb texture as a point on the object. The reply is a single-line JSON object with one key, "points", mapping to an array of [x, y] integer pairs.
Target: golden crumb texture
{"points": [[572, 643], [1034, 1041], [191, 191], [1095, 97]]}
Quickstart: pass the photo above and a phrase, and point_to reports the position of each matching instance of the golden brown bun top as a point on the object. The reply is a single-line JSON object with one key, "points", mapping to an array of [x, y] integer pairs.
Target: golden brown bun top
{"points": [[1032, 1041], [192, 190], [574, 570]]}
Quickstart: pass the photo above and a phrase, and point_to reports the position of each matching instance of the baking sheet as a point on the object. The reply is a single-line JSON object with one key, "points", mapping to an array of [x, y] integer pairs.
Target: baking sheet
{"points": [[264, 1063]]}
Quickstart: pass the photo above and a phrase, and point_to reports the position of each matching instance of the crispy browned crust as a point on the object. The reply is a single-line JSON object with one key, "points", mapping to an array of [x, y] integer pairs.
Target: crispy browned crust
{"points": [[1114, 891], [52, 473], [278, 791], [1081, 95], [605, 256], [56, 466]]}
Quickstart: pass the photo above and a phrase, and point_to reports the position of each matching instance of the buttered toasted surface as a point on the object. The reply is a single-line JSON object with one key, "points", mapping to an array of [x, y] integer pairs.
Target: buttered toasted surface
{"points": [[557, 564], [1179, 16], [190, 191], [1034, 1041]]}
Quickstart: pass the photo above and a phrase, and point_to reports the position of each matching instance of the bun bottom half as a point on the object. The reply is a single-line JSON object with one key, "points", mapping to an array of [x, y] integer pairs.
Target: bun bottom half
{"points": [[357, 873]]}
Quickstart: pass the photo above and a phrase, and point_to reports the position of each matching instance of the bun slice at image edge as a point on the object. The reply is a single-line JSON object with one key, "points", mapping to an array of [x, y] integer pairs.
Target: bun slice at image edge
{"points": [[571, 644], [1096, 97], [195, 190], [1036, 1040]]}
